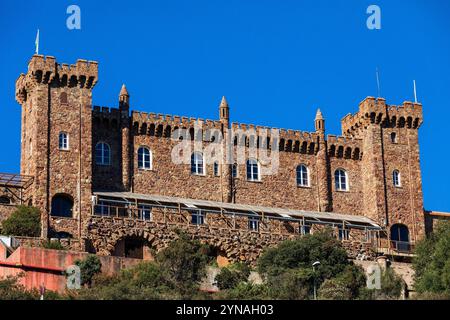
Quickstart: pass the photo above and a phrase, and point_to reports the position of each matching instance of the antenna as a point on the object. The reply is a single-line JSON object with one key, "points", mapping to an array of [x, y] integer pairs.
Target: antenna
{"points": [[37, 42], [415, 91], [378, 82]]}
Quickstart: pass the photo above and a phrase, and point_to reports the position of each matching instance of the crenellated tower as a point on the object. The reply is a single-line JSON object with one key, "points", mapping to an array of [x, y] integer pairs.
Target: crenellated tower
{"points": [[56, 134], [392, 184]]}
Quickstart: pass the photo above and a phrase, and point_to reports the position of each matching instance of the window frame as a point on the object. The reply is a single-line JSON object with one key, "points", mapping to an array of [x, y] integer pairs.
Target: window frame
{"points": [[252, 168], [343, 234], [307, 185], [253, 223], [142, 209], [142, 163], [65, 136], [396, 178], [198, 214], [234, 171], [338, 183], [102, 157], [195, 164]]}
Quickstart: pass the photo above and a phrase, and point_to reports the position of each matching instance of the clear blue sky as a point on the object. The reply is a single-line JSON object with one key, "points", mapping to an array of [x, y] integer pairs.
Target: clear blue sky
{"points": [[276, 61]]}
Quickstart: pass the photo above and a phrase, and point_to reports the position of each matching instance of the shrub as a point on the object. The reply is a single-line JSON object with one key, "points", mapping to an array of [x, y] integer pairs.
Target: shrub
{"points": [[10, 289], [333, 289], [54, 245], [24, 222], [89, 267], [230, 277]]}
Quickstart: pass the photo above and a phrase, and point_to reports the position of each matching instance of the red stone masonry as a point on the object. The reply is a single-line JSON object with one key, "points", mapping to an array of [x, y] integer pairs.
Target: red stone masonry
{"points": [[58, 98]]}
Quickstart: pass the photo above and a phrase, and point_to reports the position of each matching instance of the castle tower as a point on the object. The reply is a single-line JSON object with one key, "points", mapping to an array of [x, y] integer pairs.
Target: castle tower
{"points": [[56, 140], [392, 186]]}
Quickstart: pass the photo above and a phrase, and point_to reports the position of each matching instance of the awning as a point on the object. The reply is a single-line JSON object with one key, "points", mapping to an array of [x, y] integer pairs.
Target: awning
{"points": [[280, 213]]}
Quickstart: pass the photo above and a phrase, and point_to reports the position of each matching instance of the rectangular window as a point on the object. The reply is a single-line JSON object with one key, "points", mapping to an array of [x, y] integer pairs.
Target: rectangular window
{"points": [[343, 234], [198, 218], [234, 171], [145, 212], [305, 229], [253, 223], [63, 141], [102, 209]]}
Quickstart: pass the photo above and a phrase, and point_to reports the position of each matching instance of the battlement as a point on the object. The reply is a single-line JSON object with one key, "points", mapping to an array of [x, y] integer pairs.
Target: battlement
{"points": [[372, 110], [45, 69]]}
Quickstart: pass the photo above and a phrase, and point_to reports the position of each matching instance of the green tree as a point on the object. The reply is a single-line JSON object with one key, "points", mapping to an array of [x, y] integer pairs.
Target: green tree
{"points": [[184, 263], [432, 262], [89, 267], [24, 222], [231, 276], [288, 270]]}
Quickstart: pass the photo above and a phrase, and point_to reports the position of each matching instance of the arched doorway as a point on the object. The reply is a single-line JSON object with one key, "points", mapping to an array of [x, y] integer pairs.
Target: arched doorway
{"points": [[400, 237], [62, 206], [133, 247]]}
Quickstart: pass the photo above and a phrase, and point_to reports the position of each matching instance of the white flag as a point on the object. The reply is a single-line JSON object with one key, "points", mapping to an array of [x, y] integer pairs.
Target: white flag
{"points": [[37, 42]]}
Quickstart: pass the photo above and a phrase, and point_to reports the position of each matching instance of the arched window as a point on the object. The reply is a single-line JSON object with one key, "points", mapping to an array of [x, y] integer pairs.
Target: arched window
{"points": [[302, 176], [5, 200], [62, 206], [216, 169], [396, 178], [197, 164], [393, 137], [102, 154], [63, 141], [252, 170], [341, 180], [144, 158]]}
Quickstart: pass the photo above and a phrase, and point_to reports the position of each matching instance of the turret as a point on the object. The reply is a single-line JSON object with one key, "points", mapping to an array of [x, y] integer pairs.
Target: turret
{"points": [[319, 122], [224, 112], [124, 99]]}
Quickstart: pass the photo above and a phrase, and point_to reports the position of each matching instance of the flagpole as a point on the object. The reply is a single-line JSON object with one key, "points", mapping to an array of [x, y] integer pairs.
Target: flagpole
{"points": [[37, 42]]}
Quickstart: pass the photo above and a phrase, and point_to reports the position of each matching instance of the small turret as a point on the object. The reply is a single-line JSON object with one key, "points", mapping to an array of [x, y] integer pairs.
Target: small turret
{"points": [[124, 99], [224, 112], [319, 122]]}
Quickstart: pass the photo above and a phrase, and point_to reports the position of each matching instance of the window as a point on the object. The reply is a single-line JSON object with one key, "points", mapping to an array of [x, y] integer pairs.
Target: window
{"points": [[253, 223], [198, 218], [63, 141], [62, 206], [103, 209], [302, 176], [396, 178], [252, 170], [343, 234], [305, 229], [393, 137], [216, 169], [234, 170], [144, 158], [197, 164], [102, 154], [340, 179], [145, 212], [5, 200]]}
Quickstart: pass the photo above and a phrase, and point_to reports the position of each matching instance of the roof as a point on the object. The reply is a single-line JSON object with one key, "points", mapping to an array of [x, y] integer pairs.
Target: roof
{"points": [[15, 180], [281, 212]]}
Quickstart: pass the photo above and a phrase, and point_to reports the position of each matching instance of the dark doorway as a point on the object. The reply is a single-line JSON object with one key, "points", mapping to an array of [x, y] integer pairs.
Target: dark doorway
{"points": [[62, 206]]}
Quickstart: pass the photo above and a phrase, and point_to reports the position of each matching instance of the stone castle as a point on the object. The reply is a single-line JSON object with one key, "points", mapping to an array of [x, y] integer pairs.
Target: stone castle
{"points": [[105, 181]]}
